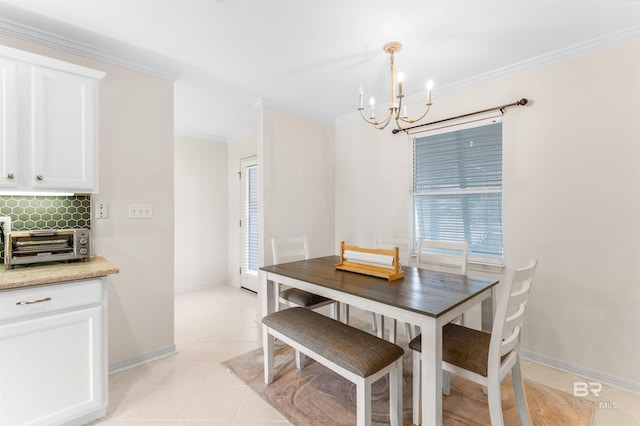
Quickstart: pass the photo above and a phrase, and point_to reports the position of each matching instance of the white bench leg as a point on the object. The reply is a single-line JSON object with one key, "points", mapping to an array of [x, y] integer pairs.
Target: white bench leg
{"points": [[267, 343], [363, 402], [395, 394]]}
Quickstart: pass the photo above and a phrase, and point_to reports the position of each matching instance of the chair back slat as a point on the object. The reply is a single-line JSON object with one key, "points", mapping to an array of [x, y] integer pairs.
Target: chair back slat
{"points": [[403, 245], [509, 316], [443, 256], [290, 249], [510, 341]]}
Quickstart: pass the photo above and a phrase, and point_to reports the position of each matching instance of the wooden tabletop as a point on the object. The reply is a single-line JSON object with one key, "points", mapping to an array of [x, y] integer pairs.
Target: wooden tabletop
{"points": [[428, 292]]}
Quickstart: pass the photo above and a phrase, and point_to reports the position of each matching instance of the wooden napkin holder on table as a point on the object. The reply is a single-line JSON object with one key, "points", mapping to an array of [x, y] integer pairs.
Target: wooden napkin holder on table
{"points": [[382, 263]]}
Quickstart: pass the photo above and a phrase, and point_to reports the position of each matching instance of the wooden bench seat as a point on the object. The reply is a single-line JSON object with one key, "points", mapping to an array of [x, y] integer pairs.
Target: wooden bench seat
{"points": [[360, 357]]}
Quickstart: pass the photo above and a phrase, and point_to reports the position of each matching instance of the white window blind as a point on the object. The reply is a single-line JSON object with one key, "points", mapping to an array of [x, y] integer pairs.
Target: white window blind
{"points": [[251, 220], [457, 185]]}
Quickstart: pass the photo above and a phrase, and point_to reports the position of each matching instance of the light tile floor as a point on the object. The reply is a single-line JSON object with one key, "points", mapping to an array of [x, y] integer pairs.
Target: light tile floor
{"points": [[215, 324]]}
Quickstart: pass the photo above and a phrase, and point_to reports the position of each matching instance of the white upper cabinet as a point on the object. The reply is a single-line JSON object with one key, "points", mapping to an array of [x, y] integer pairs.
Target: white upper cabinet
{"points": [[9, 159], [63, 113], [49, 124]]}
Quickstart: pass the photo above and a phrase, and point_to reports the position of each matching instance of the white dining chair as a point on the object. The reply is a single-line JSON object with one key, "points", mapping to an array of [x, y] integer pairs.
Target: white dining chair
{"points": [[290, 250], [486, 358], [404, 250], [443, 256]]}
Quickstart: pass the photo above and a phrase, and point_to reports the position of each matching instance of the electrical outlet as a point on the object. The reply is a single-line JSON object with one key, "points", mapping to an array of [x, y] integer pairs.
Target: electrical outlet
{"points": [[101, 210], [140, 211]]}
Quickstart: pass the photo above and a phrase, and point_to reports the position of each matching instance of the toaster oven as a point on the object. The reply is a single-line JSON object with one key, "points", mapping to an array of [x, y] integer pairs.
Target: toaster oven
{"points": [[47, 245]]}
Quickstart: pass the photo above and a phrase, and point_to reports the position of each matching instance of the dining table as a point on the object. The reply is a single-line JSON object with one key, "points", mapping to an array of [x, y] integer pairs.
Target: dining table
{"points": [[424, 298]]}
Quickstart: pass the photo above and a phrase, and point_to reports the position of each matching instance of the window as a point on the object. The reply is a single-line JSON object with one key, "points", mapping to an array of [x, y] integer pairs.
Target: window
{"points": [[250, 220], [457, 188]]}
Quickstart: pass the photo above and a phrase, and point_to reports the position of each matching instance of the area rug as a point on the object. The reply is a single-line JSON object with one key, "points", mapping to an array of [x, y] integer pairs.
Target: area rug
{"points": [[318, 396]]}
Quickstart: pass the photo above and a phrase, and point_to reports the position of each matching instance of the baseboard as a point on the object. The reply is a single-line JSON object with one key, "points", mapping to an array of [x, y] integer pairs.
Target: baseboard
{"points": [[198, 287], [582, 371], [142, 359]]}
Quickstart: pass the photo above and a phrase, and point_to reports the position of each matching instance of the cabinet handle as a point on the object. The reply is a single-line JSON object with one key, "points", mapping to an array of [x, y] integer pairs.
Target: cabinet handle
{"points": [[39, 177], [31, 302], [11, 176]]}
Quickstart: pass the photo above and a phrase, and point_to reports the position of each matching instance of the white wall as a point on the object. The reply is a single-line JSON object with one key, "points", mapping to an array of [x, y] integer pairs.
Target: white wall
{"points": [[136, 165], [296, 177], [571, 199], [201, 223]]}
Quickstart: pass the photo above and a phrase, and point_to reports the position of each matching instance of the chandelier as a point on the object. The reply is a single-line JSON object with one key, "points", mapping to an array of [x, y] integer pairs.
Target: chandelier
{"points": [[396, 110]]}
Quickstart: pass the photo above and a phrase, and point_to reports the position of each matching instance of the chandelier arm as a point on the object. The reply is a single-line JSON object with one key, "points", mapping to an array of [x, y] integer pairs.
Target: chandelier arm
{"points": [[422, 116], [378, 124], [386, 121], [365, 118]]}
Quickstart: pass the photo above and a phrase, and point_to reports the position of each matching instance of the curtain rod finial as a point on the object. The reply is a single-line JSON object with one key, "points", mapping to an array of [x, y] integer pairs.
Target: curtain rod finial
{"points": [[523, 101]]}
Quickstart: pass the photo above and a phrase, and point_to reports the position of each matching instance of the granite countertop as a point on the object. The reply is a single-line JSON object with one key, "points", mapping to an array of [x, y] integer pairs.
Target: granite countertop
{"points": [[20, 277]]}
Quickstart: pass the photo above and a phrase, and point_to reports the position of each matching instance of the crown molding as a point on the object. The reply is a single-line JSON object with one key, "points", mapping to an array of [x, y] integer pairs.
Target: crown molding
{"points": [[277, 106], [199, 136], [110, 56], [554, 57]]}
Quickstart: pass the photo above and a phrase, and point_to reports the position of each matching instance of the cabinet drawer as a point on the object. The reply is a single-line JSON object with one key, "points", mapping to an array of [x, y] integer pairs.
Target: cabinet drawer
{"points": [[25, 302]]}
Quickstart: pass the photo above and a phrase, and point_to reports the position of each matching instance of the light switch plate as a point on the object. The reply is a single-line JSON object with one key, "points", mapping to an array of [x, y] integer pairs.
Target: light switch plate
{"points": [[140, 211]]}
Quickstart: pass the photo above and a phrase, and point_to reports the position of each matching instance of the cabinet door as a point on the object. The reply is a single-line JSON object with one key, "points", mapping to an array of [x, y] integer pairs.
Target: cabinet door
{"points": [[8, 124], [63, 139], [50, 368]]}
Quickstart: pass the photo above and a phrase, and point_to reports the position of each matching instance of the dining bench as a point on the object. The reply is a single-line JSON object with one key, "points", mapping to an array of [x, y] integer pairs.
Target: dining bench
{"points": [[356, 355]]}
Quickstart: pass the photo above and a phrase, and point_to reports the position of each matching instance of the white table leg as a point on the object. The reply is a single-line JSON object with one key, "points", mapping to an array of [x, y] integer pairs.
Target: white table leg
{"points": [[268, 300], [431, 356], [487, 311], [268, 296]]}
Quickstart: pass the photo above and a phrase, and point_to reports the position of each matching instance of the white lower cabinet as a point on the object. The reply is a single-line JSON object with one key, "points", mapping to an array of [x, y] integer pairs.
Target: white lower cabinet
{"points": [[53, 359]]}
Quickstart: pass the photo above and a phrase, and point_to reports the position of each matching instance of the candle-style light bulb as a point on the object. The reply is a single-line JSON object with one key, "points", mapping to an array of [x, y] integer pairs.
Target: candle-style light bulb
{"points": [[372, 102], [429, 87], [400, 80], [404, 112]]}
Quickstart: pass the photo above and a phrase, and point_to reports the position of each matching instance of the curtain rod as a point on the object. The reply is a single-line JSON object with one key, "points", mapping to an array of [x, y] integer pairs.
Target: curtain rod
{"points": [[522, 101]]}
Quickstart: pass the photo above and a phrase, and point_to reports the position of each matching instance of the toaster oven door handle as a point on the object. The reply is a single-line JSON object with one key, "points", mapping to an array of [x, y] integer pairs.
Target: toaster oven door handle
{"points": [[43, 233], [33, 302]]}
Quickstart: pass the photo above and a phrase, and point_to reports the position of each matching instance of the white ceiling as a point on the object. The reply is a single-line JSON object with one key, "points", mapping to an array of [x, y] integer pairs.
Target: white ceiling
{"points": [[311, 57]]}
